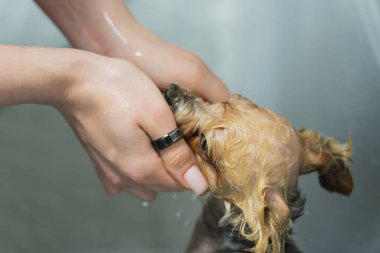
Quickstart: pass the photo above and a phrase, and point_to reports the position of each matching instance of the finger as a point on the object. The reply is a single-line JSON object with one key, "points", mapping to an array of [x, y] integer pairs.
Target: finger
{"points": [[143, 168], [153, 174], [211, 87], [105, 174], [109, 189], [178, 158], [180, 162], [143, 194], [113, 183]]}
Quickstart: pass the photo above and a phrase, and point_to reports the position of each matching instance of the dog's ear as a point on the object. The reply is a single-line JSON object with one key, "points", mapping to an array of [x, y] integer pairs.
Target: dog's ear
{"points": [[265, 219], [277, 218], [330, 158]]}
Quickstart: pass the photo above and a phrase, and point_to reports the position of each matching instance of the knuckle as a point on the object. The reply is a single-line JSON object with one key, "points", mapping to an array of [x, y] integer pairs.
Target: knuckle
{"points": [[114, 181], [118, 69], [140, 176], [142, 194], [140, 171], [195, 69], [117, 183], [112, 192], [150, 197], [158, 112]]}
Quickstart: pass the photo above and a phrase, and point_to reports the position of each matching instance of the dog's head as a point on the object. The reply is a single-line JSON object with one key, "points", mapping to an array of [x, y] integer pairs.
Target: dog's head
{"points": [[252, 158]]}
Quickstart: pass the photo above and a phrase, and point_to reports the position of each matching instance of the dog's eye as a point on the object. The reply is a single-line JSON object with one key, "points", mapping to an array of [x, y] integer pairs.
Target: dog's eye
{"points": [[203, 144]]}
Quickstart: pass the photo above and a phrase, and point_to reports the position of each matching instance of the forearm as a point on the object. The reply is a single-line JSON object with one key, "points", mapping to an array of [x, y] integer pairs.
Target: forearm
{"points": [[98, 26], [107, 27], [34, 74]]}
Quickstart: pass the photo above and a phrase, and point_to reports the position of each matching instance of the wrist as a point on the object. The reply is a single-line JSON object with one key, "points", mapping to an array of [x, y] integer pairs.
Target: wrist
{"points": [[97, 26], [35, 74]]}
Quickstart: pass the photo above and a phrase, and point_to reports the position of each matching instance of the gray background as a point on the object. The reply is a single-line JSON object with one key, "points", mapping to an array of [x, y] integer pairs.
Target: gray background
{"points": [[314, 62]]}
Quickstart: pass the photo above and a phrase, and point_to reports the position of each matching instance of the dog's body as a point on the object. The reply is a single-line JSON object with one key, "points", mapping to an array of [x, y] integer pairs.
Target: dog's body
{"points": [[211, 236], [251, 158]]}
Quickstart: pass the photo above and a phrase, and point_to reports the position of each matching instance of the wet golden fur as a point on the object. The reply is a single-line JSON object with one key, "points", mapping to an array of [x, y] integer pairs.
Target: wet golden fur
{"points": [[252, 158]]}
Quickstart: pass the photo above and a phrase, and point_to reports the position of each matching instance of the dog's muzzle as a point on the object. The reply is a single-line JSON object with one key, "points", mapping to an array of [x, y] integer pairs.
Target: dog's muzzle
{"points": [[176, 96]]}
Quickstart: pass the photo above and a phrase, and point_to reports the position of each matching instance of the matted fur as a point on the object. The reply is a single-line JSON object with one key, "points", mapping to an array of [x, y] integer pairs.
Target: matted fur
{"points": [[252, 157]]}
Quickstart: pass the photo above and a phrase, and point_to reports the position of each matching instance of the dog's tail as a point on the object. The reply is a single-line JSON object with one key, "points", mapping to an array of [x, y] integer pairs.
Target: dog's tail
{"points": [[330, 159]]}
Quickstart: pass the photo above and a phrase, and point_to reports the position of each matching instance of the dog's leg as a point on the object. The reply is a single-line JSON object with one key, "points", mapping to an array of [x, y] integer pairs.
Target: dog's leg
{"points": [[290, 247], [209, 237], [204, 238], [201, 241], [330, 158]]}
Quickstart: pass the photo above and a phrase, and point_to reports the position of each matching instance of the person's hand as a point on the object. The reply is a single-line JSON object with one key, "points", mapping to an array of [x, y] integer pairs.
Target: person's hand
{"points": [[108, 28], [166, 64], [116, 110]]}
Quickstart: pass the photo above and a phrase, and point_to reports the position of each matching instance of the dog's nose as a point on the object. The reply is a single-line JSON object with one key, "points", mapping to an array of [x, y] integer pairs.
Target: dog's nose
{"points": [[176, 96], [171, 93]]}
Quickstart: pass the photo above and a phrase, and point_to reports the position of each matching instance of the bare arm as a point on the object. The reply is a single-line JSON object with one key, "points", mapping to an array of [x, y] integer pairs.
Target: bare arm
{"points": [[33, 74], [114, 109], [108, 27], [94, 25]]}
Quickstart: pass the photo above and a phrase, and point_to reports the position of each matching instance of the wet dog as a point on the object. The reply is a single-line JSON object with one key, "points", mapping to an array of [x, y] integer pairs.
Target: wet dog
{"points": [[251, 158]]}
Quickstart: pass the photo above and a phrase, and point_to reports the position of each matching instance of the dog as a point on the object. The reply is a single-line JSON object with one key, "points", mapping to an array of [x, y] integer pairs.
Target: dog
{"points": [[252, 158]]}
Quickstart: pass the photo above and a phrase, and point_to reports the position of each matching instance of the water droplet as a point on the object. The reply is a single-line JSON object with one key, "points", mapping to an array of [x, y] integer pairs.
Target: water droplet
{"points": [[138, 54], [178, 213], [174, 196], [194, 197], [186, 222], [145, 203]]}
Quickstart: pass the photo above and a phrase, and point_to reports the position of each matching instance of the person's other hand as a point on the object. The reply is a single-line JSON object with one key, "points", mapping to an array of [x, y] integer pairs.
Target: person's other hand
{"points": [[166, 64], [109, 28], [116, 110]]}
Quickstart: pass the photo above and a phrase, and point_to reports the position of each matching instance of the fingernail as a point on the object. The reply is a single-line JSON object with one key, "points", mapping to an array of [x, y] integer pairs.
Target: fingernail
{"points": [[196, 180]]}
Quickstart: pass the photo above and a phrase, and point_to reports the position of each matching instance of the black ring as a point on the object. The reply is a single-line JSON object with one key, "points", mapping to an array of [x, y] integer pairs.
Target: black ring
{"points": [[167, 140]]}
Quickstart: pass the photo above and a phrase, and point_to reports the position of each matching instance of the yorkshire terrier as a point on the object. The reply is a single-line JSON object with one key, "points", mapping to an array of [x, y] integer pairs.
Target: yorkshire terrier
{"points": [[251, 158]]}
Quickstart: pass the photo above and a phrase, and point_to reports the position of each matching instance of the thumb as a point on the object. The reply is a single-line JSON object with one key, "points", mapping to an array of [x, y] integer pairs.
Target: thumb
{"points": [[178, 158]]}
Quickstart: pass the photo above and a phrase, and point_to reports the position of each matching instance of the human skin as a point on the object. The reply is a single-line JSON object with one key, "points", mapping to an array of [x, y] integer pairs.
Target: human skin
{"points": [[109, 28], [113, 108]]}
